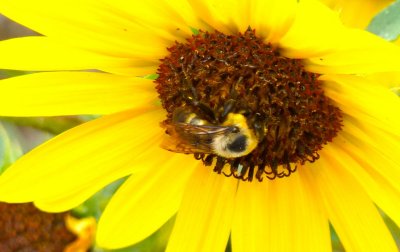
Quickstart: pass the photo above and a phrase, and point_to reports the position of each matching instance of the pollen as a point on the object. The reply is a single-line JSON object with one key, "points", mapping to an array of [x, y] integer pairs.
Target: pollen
{"points": [[284, 105]]}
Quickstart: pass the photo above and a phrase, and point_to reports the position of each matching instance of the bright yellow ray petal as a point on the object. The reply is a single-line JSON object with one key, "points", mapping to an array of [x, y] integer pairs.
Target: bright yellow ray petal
{"points": [[318, 35], [171, 19], [74, 198], [365, 100], [223, 15], [378, 148], [90, 155], [43, 54], [143, 162], [145, 201], [315, 31], [361, 165], [350, 210], [88, 24], [71, 93], [391, 79], [358, 60], [184, 11], [357, 13], [280, 215], [272, 19], [250, 222], [204, 219]]}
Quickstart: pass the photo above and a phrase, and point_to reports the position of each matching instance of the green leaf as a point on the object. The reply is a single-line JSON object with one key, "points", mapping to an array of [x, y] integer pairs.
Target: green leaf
{"points": [[386, 24], [336, 244], [151, 76], [195, 31], [393, 228]]}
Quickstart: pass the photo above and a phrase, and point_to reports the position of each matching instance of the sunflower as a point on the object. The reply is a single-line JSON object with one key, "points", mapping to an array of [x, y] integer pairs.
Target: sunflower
{"points": [[273, 129]]}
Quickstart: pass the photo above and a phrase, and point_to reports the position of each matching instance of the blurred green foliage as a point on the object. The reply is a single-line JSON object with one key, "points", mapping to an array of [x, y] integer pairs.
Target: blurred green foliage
{"points": [[10, 148], [95, 205], [52, 125], [386, 24], [396, 90]]}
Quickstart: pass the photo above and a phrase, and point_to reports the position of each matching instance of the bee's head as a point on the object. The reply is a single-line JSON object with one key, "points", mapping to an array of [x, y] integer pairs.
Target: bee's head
{"points": [[237, 142]]}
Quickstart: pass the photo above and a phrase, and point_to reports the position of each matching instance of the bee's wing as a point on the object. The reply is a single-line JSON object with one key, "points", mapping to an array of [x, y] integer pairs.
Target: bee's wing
{"points": [[190, 138]]}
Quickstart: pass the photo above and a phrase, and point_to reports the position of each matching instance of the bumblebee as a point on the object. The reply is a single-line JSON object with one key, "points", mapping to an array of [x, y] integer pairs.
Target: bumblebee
{"points": [[190, 134]]}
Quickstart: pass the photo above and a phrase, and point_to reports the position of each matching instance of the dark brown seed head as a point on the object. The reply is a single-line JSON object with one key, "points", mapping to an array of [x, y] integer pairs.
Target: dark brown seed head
{"points": [[283, 103]]}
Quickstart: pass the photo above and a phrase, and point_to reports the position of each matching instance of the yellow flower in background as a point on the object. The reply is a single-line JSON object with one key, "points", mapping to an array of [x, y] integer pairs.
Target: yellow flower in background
{"points": [[85, 229], [295, 85], [25, 228]]}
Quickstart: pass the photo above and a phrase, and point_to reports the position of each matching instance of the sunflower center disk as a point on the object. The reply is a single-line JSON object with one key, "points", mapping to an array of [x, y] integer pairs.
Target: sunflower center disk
{"points": [[236, 104]]}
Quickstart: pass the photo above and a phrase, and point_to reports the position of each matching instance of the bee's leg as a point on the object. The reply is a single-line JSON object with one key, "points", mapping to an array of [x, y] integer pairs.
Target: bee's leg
{"points": [[207, 111], [258, 124]]}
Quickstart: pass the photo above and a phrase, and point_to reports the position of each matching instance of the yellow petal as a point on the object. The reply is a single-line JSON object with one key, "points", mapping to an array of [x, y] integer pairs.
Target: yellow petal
{"points": [[392, 79], [88, 24], [272, 19], [43, 54], [183, 10], [365, 100], [380, 149], [225, 16], [145, 201], [204, 219], [361, 164], [315, 30], [357, 13], [280, 215], [318, 35], [356, 51], [143, 162], [170, 19], [71, 93], [350, 210], [358, 59], [86, 158]]}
